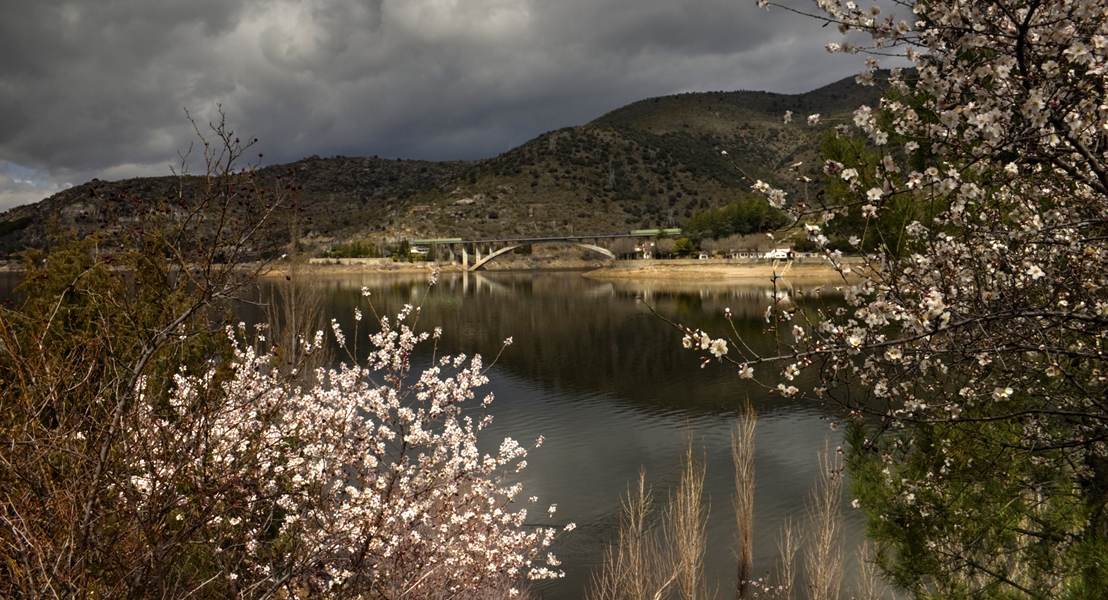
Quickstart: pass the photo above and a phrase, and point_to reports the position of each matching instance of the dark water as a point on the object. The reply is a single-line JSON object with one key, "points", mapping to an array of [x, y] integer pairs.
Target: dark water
{"points": [[612, 390]]}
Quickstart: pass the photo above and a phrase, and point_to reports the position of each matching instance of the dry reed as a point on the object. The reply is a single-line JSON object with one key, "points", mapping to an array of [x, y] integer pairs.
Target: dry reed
{"points": [[642, 566], [636, 566], [686, 531], [788, 542], [823, 554], [870, 586], [742, 454]]}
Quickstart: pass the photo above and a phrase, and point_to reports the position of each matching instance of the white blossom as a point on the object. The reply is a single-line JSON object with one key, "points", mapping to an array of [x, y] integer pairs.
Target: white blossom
{"points": [[331, 452]]}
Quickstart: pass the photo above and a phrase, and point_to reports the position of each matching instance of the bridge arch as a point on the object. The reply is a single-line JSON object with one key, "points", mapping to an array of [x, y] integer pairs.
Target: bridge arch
{"points": [[506, 249]]}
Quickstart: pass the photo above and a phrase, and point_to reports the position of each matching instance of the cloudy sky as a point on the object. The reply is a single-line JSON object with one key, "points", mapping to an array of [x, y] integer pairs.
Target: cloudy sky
{"points": [[98, 88]]}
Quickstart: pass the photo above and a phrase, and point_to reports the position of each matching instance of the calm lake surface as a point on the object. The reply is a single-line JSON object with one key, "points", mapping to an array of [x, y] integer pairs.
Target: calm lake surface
{"points": [[612, 390]]}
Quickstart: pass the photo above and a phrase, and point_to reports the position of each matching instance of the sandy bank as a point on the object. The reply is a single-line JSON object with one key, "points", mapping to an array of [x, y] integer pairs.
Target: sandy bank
{"points": [[720, 271], [280, 270], [713, 270]]}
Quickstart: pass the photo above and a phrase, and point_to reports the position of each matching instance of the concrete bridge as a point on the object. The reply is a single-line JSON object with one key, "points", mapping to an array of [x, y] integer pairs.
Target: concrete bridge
{"points": [[476, 253]]}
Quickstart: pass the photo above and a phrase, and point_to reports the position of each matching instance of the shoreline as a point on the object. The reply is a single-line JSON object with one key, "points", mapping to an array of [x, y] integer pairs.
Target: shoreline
{"points": [[713, 270], [723, 271], [683, 270]]}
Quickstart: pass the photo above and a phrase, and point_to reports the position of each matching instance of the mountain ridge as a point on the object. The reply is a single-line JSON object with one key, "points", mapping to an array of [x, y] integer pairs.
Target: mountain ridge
{"points": [[651, 163]]}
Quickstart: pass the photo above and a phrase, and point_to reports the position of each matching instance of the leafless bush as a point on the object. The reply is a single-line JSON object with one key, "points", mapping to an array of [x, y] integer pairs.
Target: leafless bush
{"points": [[742, 454], [635, 566], [133, 303], [823, 554], [664, 247], [623, 247], [687, 521], [294, 311]]}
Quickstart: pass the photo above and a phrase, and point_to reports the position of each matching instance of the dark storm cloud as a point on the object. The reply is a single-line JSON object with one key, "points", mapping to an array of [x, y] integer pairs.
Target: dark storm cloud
{"points": [[96, 89]]}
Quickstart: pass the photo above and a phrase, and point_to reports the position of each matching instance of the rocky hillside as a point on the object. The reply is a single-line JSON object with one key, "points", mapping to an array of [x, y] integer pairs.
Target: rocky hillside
{"points": [[337, 195], [652, 163]]}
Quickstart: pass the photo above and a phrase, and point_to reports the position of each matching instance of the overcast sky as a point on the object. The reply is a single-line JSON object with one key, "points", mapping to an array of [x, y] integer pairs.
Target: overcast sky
{"points": [[98, 88]]}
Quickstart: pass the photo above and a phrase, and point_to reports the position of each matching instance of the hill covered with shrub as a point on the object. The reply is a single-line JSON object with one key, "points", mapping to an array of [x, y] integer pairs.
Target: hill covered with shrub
{"points": [[656, 162]]}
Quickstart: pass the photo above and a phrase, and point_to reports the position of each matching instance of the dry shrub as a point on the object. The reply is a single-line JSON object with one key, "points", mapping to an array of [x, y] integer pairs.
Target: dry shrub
{"points": [[742, 454], [647, 562], [823, 553]]}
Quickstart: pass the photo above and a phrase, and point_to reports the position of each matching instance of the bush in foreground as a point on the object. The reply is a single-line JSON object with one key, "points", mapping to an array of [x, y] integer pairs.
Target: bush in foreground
{"points": [[367, 484], [144, 454]]}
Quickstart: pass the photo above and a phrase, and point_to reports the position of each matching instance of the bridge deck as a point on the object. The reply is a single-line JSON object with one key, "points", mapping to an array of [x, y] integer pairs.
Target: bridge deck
{"points": [[548, 238]]}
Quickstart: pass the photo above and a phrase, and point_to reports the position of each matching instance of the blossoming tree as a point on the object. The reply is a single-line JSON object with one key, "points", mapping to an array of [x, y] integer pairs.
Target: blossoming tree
{"points": [[368, 484], [144, 455], [975, 339], [134, 299]]}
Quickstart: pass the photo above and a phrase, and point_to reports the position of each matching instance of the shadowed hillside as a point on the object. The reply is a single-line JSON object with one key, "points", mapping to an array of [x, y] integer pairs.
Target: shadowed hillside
{"points": [[652, 163]]}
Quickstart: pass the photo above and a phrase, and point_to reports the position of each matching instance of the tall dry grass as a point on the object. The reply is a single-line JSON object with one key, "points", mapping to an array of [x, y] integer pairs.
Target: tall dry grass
{"points": [[649, 561], [823, 552], [742, 454], [686, 531], [635, 566], [869, 586], [788, 542]]}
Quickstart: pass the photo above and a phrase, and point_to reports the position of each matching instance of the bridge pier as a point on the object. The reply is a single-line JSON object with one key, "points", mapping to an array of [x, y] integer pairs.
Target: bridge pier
{"points": [[449, 252]]}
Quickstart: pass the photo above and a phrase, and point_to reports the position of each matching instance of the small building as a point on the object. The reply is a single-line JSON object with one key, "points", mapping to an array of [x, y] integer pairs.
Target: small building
{"points": [[780, 253]]}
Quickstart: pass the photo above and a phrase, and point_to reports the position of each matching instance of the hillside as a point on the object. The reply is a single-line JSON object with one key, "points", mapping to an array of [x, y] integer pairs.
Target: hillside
{"points": [[651, 163], [338, 194]]}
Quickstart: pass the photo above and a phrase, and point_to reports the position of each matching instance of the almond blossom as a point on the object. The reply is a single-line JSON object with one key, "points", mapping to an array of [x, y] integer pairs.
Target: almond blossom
{"points": [[368, 480], [984, 325]]}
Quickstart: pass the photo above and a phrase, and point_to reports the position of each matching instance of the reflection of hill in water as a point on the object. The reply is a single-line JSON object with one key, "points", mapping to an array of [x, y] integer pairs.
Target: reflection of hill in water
{"points": [[582, 336]]}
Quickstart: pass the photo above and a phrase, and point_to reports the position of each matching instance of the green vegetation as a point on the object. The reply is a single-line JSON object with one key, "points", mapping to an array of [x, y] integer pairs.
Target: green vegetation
{"points": [[90, 353], [887, 230], [7, 227], [356, 249], [989, 524], [683, 246], [748, 216]]}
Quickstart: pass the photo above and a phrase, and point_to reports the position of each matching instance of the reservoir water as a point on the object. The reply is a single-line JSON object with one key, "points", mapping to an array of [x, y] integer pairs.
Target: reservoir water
{"points": [[609, 386]]}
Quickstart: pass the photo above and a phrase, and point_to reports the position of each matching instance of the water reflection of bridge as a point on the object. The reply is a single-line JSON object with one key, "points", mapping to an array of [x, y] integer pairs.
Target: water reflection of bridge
{"points": [[475, 253]]}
